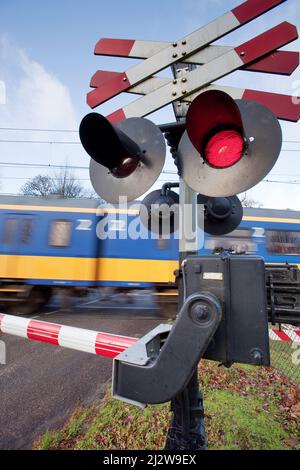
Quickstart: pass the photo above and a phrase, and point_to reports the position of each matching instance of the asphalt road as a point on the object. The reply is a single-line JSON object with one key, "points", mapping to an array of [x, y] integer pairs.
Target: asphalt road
{"points": [[41, 384]]}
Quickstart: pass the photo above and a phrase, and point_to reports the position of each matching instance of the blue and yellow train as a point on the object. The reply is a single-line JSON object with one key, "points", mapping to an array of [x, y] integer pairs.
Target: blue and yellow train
{"points": [[79, 244]]}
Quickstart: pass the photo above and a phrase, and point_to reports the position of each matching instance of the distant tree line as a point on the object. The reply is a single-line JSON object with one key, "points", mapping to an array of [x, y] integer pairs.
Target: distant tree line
{"points": [[63, 184]]}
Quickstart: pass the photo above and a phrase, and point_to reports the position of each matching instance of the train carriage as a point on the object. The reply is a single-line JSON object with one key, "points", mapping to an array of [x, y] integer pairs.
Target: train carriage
{"points": [[75, 244]]}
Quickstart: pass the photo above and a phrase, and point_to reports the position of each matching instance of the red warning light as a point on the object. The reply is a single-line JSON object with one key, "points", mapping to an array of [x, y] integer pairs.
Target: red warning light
{"points": [[125, 167], [224, 149], [215, 128]]}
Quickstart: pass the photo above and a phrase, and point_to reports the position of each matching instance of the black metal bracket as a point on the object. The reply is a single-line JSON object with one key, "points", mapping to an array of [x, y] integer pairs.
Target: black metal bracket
{"points": [[167, 186], [283, 293], [159, 365]]}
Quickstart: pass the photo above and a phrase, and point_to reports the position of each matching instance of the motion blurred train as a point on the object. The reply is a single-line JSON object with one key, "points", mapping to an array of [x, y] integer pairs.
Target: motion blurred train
{"points": [[77, 244]]}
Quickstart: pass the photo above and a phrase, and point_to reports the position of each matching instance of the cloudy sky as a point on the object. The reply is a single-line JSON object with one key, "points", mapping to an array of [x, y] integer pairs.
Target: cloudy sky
{"points": [[46, 62]]}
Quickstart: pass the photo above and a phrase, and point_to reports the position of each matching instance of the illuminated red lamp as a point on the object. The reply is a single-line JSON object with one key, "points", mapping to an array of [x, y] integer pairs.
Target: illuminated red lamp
{"points": [[224, 149], [214, 126]]}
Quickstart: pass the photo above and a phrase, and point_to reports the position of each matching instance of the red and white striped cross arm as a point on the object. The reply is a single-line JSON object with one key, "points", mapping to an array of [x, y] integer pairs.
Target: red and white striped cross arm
{"points": [[284, 107], [246, 53], [80, 339], [184, 47], [279, 62]]}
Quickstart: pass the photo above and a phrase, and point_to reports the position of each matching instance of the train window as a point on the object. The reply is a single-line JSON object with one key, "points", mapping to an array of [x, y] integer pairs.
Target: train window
{"points": [[9, 232], [283, 242], [238, 241], [60, 233], [26, 231]]}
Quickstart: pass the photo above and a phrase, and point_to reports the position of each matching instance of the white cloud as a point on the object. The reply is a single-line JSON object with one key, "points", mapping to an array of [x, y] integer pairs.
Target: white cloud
{"points": [[34, 95], [41, 97], [37, 99]]}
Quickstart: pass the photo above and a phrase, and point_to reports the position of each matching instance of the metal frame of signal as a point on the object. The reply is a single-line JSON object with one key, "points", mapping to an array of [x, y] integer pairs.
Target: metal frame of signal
{"points": [[187, 428]]}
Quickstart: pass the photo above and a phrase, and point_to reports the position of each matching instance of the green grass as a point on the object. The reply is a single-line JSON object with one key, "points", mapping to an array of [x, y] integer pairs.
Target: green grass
{"points": [[245, 408], [66, 437], [244, 424], [50, 439]]}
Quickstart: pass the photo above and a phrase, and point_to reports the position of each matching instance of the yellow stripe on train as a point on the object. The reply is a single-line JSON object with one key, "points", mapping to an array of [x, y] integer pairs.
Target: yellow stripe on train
{"points": [[95, 210], [86, 269]]}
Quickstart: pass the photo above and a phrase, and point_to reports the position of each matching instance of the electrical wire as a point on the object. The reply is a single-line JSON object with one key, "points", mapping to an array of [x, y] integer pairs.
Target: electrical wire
{"points": [[68, 142], [76, 131]]}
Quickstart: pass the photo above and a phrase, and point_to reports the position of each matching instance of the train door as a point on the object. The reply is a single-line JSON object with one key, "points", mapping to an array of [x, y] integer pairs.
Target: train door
{"points": [[17, 231]]}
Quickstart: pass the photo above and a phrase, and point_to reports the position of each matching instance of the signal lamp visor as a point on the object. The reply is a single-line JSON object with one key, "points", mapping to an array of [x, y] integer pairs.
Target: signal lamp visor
{"points": [[224, 148], [108, 145]]}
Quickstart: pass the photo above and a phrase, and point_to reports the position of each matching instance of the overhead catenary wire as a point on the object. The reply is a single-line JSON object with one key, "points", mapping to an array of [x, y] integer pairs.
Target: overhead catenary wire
{"points": [[70, 142], [50, 165], [28, 129], [75, 167], [23, 178]]}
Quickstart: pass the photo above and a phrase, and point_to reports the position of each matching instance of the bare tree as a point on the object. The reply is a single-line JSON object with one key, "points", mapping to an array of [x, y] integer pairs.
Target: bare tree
{"points": [[40, 185], [63, 184], [247, 202]]}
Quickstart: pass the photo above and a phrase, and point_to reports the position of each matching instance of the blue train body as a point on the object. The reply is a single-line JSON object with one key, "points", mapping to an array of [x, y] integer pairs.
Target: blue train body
{"points": [[64, 243]]}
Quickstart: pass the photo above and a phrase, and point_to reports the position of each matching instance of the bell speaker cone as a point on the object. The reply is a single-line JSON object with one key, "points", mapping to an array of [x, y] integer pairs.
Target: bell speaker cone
{"points": [[159, 213], [222, 215]]}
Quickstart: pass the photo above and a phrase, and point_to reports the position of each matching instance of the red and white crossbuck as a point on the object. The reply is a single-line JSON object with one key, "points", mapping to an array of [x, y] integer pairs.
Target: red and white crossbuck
{"points": [[213, 62]]}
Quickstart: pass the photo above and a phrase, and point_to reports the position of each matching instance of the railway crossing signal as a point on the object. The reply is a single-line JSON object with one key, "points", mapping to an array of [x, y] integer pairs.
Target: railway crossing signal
{"points": [[229, 146], [227, 141], [129, 174], [126, 159]]}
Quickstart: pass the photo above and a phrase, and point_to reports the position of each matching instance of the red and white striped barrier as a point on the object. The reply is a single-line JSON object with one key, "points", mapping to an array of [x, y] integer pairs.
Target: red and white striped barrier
{"points": [[287, 334], [94, 342], [80, 339]]}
